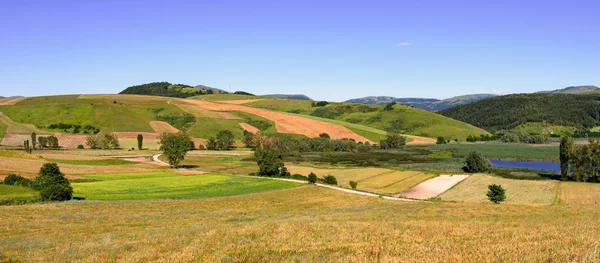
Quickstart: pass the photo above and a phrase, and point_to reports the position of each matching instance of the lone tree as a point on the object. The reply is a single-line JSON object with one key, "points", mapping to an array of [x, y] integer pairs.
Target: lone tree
{"points": [[566, 146], [33, 140], [269, 160], [393, 141], [174, 146], [440, 140], [476, 163], [140, 140], [52, 184], [496, 193], [312, 178], [389, 106]]}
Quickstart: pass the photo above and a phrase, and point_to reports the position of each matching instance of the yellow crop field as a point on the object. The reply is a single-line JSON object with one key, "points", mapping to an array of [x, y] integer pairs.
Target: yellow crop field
{"points": [[526, 192], [343, 175], [572, 193], [393, 183], [302, 224]]}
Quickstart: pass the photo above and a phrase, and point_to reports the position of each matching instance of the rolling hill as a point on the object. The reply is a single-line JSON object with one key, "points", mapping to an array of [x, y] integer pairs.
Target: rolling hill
{"points": [[169, 90], [74, 117], [510, 111], [288, 96], [422, 103], [402, 119], [574, 90]]}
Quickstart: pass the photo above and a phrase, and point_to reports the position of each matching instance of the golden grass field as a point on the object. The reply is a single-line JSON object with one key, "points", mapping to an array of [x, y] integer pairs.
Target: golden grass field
{"points": [[572, 193], [524, 192], [304, 224]]}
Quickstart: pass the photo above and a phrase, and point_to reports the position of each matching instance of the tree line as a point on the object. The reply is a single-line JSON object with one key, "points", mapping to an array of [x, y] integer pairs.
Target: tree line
{"points": [[579, 162], [166, 89]]}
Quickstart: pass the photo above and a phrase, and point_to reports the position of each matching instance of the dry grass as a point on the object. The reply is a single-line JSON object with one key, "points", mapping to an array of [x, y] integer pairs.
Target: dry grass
{"points": [[161, 126], [343, 175], [10, 101], [572, 193], [15, 127], [305, 224], [524, 192]]}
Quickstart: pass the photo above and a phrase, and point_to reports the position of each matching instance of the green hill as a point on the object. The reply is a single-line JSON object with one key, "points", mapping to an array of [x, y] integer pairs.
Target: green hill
{"points": [[510, 111], [288, 96], [169, 90], [402, 119], [421, 103]]}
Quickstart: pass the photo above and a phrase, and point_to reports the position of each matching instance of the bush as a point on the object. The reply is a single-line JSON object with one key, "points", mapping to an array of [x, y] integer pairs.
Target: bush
{"points": [[353, 184], [270, 162], [13, 179], [80, 146], [476, 163], [299, 177], [52, 184], [284, 172], [440, 140], [496, 193], [312, 178], [57, 192], [330, 179]]}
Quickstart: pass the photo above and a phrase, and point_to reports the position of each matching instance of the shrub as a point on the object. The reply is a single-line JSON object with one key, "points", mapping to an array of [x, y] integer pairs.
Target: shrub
{"points": [[312, 178], [299, 177], [440, 140], [57, 192], [496, 193], [353, 184], [13, 179], [80, 146], [330, 179], [270, 161], [476, 163], [52, 184], [284, 172]]}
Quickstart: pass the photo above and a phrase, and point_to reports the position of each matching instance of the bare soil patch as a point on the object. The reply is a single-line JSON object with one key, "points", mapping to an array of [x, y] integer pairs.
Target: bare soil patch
{"points": [[161, 126], [10, 101], [433, 187], [238, 102], [417, 140], [285, 123], [249, 127]]}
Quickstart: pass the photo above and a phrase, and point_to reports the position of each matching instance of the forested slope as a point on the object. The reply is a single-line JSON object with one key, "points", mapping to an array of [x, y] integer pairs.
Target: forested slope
{"points": [[509, 111]]}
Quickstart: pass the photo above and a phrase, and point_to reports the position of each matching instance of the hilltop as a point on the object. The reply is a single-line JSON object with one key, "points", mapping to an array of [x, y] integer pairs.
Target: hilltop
{"points": [[510, 111], [423, 103], [288, 96], [169, 90], [574, 90]]}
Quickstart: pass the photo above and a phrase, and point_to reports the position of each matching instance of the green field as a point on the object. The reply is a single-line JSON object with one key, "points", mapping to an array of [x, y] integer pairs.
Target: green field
{"points": [[16, 194], [225, 97], [168, 185], [102, 162], [545, 128], [499, 150]]}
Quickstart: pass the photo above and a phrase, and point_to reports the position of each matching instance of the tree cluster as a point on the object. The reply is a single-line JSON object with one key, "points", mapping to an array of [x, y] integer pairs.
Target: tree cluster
{"points": [[476, 163], [223, 142], [47, 141], [523, 137], [166, 89], [52, 184], [105, 141], [580, 163]]}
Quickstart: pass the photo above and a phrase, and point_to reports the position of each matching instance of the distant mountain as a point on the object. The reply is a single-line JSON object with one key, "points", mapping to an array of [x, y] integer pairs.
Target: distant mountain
{"points": [[170, 90], [574, 90], [288, 96], [422, 103]]}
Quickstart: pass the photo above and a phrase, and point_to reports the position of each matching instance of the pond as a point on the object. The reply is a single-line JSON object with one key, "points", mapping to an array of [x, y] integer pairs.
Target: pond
{"points": [[534, 165]]}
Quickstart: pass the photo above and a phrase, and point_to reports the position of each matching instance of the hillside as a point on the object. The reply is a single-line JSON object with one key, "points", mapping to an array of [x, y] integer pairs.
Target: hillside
{"points": [[574, 90], [167, 89], [422, 103], [509, 111], [402, 119], [288, 96]]}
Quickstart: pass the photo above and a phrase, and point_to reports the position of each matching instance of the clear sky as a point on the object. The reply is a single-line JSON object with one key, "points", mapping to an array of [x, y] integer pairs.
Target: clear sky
{"points": [[328, 50]]}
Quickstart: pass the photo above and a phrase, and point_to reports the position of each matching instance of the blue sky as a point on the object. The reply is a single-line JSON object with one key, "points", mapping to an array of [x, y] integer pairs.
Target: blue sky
{"points": [[328, 50]]}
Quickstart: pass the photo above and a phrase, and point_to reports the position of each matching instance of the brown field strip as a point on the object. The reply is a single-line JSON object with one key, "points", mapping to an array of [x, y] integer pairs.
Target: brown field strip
{"points": [[285, 123], [161, 126], [249, 127], [418, 140], [239, 102], [10, 101]]}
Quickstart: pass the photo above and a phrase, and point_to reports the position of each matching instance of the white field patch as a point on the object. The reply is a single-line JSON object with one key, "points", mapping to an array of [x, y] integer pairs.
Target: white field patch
{"points": [[433, 187]]}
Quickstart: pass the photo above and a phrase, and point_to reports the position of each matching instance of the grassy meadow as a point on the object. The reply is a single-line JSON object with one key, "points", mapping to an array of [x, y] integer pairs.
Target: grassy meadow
{"points": [[499, 150], [169, 185], [302, 224]]}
